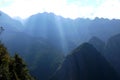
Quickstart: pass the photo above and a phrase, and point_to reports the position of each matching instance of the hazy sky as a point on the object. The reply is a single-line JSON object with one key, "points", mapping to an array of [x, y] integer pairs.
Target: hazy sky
{"points": [[66, 8]]}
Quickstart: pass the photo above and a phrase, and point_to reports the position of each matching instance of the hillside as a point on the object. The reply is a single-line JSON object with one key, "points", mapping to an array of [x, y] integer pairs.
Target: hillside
{"points": [[85, 63], [44, 40], [12, 68]]}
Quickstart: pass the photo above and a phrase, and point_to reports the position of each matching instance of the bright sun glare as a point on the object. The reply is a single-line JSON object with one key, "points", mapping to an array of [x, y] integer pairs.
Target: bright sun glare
{"points": [[66, 8]]}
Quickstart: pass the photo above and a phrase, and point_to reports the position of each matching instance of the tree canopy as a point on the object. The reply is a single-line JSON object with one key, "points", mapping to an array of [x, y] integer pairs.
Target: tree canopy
{"points": [[12, 68]]}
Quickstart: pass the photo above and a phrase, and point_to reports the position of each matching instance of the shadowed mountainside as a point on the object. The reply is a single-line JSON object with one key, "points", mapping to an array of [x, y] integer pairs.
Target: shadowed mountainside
{"points": [[85, 63], [48, 36]]}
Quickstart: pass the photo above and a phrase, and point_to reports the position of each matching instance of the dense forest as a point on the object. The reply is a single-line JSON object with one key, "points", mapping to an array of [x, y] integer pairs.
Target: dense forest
{"points": [[12, 68], [57, 48]]}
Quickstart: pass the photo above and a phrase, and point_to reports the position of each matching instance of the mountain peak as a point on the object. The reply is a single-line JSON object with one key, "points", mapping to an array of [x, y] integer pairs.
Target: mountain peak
{"points": [[86, 63], [4, 16], [97, 43]]}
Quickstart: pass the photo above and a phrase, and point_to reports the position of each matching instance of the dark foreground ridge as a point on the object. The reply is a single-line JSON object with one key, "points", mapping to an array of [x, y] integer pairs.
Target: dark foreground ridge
{"points": [[85, 63]]}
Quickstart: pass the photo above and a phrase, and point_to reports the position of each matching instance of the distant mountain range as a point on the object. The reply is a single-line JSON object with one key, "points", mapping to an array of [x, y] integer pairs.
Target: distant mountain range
{"points": [[46, 41]]}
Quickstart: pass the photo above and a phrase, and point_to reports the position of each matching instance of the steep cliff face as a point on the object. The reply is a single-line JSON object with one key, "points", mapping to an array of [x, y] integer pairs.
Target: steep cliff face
{"points": [[112, 51], [85, 63]]}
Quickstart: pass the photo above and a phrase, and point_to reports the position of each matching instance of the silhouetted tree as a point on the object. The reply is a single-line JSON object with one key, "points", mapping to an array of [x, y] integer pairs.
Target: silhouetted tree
{"points": [[21, 69], [12, 68], [4, 63]]}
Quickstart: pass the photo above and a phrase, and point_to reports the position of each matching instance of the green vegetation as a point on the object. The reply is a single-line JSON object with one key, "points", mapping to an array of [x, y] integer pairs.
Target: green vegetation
{"points": [[12, 68]]}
